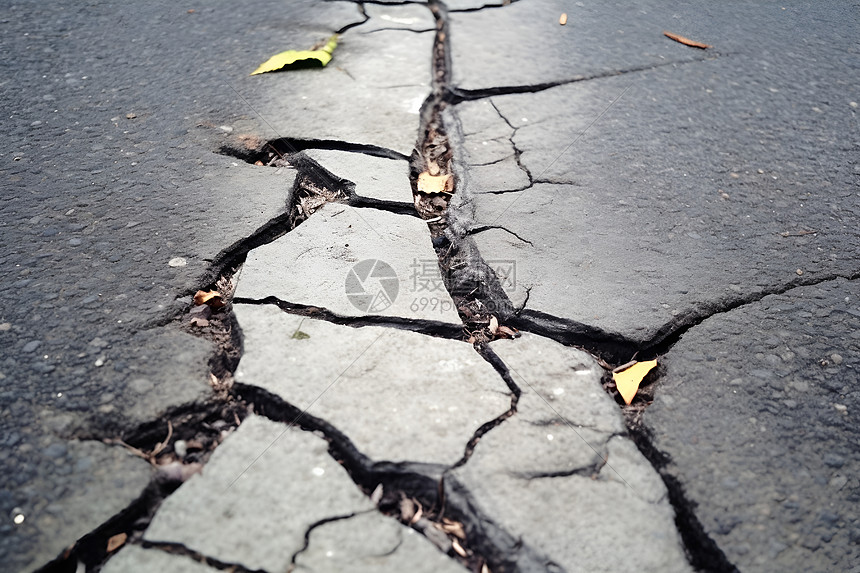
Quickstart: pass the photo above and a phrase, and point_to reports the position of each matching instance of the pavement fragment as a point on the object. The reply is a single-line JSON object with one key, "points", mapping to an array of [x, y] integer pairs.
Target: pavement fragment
{"points": [[523, 44], [651, 210], [374, 177], [99, 481], [427, 395], [565, 459], [488, 150], [311, 266], [261, 491], [778, 491], [371, 93]]}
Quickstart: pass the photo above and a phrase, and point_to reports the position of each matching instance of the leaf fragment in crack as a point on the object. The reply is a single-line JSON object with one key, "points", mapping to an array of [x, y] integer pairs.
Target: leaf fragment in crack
{"points": [[211, 298], [627, 381], [294, 59], [435, 183]]}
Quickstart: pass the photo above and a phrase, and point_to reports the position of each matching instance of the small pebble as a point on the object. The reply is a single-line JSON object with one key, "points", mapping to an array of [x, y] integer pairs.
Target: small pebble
{"points": [[100, 362], [799, 272], [177, 262], [180, 448], [842, 408], [31, 346], [835, 358]]}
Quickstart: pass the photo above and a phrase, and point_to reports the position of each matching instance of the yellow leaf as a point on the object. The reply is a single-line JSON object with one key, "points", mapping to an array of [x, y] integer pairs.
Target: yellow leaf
{"points": [[290, 57], [435, 183], [627, 381]]}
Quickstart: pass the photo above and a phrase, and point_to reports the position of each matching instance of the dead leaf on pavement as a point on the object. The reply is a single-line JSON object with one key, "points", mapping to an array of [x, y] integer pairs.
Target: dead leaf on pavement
{"points": [[116, 542], [435, 183], [686, 41], [212, 298], [292, 59], [627, 381]]}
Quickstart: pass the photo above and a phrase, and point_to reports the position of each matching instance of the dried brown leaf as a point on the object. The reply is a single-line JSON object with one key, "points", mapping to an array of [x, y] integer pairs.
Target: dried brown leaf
{"points": [[212, 298], [454, 528], [116, 542], [686, 41], [508, 332]]}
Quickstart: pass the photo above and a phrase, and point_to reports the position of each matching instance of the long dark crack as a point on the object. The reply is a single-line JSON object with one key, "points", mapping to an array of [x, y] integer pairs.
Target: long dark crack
{"points": [[253, 151], [456, 95], [428, 327], [702, 551], [179, 549], [309, 531]]}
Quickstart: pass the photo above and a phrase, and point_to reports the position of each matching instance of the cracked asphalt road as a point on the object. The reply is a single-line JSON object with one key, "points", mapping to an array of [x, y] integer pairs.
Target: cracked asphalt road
{"points": [[635, 197]]}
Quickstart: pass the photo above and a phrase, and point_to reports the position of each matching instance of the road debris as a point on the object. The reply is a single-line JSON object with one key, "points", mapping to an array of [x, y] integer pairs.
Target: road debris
{"points": [[687, 41], [627, 380]]}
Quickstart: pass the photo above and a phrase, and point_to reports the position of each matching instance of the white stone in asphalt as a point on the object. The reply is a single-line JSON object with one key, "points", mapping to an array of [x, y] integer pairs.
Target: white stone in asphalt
{"points": [[564, 459], [374, 177], [258, 495], [371, 543], [135, 559], [398, 395], [414, 17], [379, 257]]}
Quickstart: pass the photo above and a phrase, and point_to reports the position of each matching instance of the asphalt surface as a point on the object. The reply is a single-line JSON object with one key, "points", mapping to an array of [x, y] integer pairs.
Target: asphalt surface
{"points": [[699, 205]]}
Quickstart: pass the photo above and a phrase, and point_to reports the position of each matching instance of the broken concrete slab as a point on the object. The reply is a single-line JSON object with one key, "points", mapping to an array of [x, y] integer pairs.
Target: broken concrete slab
{"points": [[697, 228], [558, 383], [353, 262], [371, 93], [261, 491], [371, 543], [374, 177], [139, 560], [523, 44], [98, 482], [779, 491], [425, 412], [406, 17], [571, 465]]}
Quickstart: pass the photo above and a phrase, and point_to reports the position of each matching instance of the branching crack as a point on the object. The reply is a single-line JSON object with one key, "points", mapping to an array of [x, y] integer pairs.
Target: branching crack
{"points": [[517, 152], [482, 228]]}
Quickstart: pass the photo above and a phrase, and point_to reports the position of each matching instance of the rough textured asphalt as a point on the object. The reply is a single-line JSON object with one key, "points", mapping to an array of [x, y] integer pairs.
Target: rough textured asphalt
{"points": [[697, 205]]}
